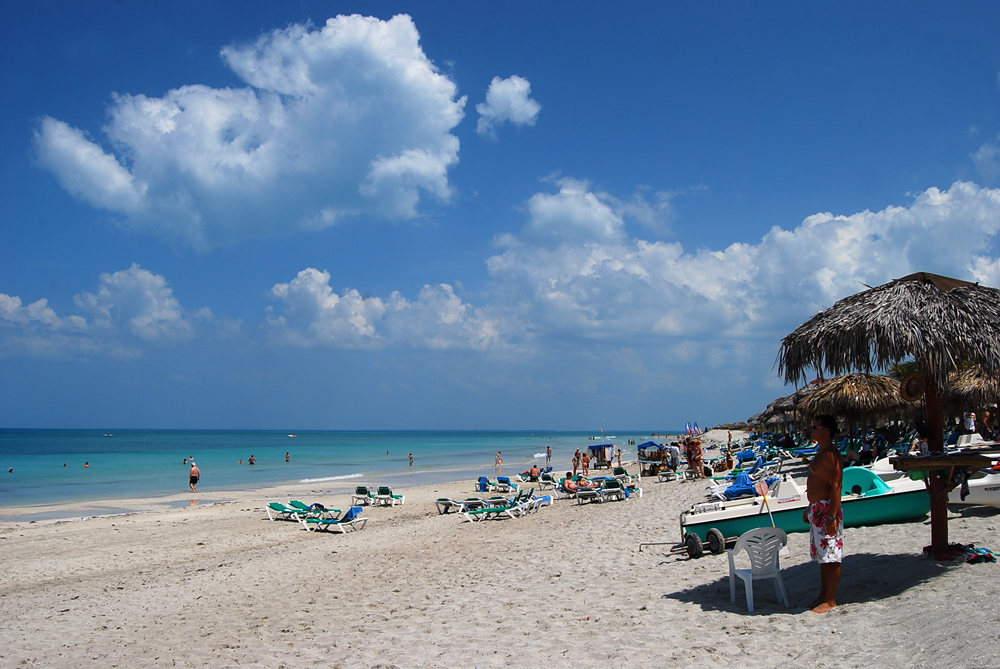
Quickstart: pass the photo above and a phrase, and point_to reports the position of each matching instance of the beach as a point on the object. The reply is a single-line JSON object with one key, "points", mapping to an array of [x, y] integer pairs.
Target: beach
{"points": [[218, 584]]}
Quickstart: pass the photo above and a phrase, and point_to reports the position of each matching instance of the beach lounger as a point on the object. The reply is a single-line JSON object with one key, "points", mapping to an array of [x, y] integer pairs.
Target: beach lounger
{"points": [[447, 504], [485, 485], [613, 489], [504, 484], [546, 480], [588, 495], [314, 509], [278, 511], [352, 519], [535, 503], [362, 495], [385, 497], [487, 512]]}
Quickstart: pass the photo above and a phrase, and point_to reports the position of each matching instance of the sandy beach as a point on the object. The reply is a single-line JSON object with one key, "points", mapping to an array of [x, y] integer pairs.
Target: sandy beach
{"points": [[218, 584]]}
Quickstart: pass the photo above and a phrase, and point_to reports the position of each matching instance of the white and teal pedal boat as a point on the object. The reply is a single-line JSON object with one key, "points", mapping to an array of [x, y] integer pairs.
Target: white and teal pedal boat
{"points": [[867, 500]]}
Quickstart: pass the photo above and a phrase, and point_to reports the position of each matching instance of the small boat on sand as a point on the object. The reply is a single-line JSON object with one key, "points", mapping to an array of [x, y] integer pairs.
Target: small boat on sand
{"points": [[866, 500]]}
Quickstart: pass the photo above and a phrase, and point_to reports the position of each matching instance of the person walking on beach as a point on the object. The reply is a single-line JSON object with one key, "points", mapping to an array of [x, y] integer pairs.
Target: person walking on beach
{"points": [[824, 515], [498, 461], [548, 455], [194, 478]]}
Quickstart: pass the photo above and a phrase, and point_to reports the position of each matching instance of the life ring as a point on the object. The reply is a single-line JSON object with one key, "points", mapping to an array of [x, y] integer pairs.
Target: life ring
{"points": [[499, 461]]}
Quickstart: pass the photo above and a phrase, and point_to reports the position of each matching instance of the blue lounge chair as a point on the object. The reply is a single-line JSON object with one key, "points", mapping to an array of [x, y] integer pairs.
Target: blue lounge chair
{"points": [[352, 519]]}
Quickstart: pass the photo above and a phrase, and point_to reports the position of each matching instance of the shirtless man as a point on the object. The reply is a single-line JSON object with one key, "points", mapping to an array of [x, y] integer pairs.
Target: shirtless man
{"points": [[195, 476], [824, 515]]}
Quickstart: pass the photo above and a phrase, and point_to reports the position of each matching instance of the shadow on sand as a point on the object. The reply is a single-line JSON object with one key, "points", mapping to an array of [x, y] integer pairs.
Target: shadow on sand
{"points": [[973, 511], [867, 577]]}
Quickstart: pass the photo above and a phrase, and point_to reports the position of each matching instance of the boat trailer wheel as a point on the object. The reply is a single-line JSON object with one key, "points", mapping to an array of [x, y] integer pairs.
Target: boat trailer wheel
{"points": [[692, 542], [716, 541]]}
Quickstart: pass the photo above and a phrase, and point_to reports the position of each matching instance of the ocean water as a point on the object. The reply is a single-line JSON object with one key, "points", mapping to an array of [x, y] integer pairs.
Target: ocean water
{"points": [[150, 463]]}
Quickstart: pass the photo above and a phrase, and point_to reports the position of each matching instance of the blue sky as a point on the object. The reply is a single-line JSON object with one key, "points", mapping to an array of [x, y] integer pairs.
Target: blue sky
{"points": [[341, 215]]}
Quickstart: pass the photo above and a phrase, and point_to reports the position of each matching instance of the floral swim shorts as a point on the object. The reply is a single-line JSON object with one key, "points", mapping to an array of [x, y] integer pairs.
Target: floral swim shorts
{"points": [[823, 548]]}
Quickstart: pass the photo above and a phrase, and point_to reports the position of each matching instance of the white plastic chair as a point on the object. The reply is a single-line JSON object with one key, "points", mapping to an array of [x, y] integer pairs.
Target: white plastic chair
{"points": [[762, 545]]}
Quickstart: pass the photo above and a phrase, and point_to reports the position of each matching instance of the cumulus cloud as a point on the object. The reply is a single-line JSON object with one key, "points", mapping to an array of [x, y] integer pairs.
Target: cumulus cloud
{"points": [[507, 100], [598, 283], [140, 301], [347, 119], [131, 307], [312, 314]]}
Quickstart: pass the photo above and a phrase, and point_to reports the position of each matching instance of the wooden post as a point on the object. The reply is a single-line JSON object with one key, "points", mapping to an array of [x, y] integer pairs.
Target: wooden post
{"points": [[935, 443]]}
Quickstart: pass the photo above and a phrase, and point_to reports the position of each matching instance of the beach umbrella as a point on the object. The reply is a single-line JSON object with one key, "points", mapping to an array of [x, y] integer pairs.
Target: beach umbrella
{"points": [[855, 397], [970, 388], [941, 322]]}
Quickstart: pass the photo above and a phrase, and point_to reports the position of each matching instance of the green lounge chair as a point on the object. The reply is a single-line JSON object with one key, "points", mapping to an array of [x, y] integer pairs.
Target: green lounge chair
{"points": [[278, 511], [312, 510], [362, 495], [385, 497], [613, 489]]}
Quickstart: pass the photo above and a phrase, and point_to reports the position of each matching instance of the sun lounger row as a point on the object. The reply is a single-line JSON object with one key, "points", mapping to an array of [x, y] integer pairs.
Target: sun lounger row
{"points": [[502, 484], [382, 497], [318, 517], [476, 509], [610, 488]]}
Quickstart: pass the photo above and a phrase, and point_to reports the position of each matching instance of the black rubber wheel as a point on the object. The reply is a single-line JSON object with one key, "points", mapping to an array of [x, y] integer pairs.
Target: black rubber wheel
{"points": [[716, 542], [695, 549]]}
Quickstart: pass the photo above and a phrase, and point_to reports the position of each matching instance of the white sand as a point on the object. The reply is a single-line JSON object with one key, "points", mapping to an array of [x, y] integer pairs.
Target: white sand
{"points": [[220, 585]]}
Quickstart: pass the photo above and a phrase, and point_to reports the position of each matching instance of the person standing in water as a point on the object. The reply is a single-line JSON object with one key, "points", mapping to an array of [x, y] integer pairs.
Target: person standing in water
{"points": [[195, 477], [411, 459], [548, 455]]}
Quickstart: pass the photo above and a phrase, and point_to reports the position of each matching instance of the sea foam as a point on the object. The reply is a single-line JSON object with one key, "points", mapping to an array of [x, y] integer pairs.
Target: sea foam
{"points": [[332, 478]]}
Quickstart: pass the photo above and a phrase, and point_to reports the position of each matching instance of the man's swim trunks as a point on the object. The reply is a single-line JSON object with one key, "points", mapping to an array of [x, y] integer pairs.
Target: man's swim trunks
{"points": [[822, 548], [194, 479]]}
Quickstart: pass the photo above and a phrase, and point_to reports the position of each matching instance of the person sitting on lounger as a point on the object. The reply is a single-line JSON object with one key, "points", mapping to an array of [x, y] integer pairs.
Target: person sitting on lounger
{"points": [[569, 485], [533, 472]]}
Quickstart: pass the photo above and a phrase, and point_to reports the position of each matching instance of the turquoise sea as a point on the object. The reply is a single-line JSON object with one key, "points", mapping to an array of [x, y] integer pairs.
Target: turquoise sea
{"points": [[149, 463]]}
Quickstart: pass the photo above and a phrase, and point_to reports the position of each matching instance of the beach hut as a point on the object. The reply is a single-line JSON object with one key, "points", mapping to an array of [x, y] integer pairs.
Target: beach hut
{"points": [[856, 397], [970, 388], [939, 321]]}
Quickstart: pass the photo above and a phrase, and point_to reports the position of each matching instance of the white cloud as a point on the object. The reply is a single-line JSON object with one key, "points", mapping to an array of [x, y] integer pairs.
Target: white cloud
{"points": [[131, 308], [507, 100], [311, 314], [599, 284], [350, 118], [139, 300]]}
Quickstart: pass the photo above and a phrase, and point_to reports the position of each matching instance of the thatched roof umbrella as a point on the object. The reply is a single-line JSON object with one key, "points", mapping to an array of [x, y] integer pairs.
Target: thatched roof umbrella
{"points": [[941, 322], [855, 396], [970, 388]]}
